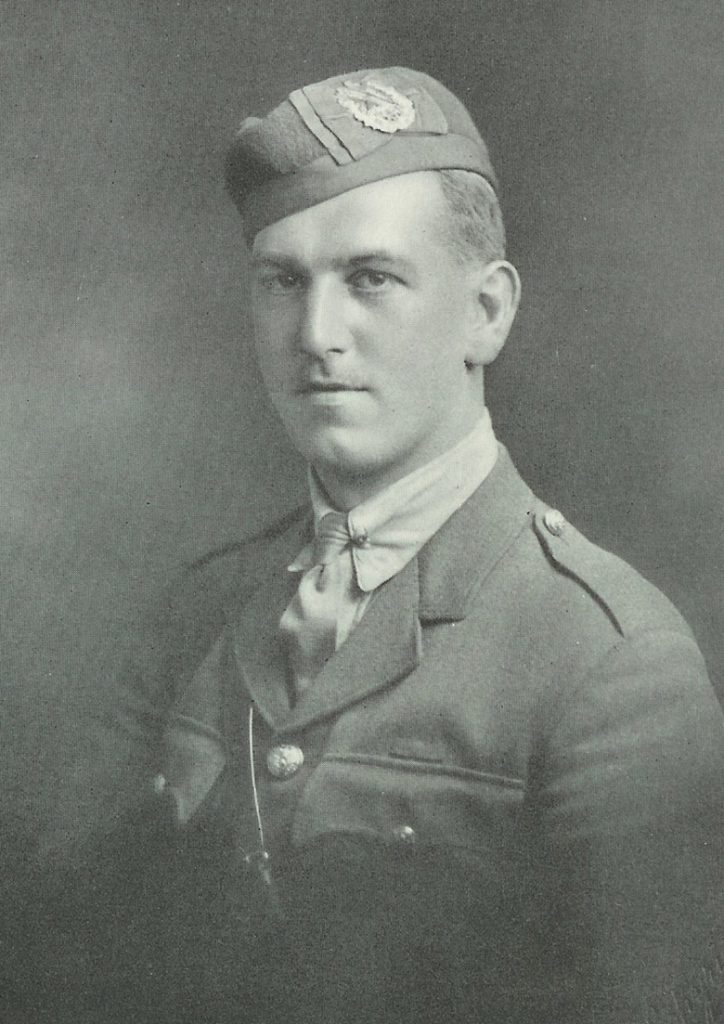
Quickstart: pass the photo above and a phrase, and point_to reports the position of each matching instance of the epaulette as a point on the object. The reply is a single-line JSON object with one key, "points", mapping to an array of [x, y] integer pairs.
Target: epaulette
{"points": [[615, 586]]}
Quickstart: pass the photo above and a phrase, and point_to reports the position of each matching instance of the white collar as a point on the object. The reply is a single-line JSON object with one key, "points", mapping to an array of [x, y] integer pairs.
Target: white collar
{"points": [[388, 529]]}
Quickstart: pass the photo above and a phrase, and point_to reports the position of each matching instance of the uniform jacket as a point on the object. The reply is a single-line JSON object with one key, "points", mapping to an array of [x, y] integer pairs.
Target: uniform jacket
{"points": [[509, 807]]}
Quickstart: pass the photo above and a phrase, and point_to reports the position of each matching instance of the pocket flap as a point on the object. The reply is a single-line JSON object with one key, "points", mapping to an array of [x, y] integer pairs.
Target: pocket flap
{"points": [[428, 803]]}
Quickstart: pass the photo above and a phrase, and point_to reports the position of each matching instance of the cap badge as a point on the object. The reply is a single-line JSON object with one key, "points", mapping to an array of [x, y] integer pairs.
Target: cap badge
{"points": [[376, 106]]}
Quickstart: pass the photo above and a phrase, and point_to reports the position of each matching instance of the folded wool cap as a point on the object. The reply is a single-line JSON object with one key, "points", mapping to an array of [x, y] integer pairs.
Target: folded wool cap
{"points": [[350, 130]]}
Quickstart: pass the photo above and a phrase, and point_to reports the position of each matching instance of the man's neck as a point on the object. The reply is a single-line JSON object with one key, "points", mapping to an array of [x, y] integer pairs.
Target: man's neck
{"points": [[346, 491]]}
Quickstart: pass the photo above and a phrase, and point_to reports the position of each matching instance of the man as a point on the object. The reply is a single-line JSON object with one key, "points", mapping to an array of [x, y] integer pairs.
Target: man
{"points": [[428, 754]]}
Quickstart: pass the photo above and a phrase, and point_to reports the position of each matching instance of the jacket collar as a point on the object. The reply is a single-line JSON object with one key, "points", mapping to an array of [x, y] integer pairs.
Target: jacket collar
{"points": [[456, 560], [439, 585]]}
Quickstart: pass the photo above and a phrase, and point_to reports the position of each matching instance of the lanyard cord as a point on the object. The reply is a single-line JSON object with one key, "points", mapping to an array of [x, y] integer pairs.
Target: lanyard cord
{"points": [[256, 860], [255, 792], [260, 858]]}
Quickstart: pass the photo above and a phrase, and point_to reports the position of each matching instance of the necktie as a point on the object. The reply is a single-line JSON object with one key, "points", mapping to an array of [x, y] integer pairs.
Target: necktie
{"points": [[308, 627]]}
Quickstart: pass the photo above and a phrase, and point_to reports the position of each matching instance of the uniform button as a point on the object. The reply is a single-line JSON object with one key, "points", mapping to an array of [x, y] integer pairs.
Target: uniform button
{"points": [[554, 521], [158, 784], [404, 834], [360, 538], [284, 761]]}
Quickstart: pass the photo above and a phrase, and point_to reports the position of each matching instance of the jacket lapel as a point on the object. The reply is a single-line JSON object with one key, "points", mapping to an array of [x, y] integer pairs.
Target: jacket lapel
{"points": [[260, 660], [438, 585], [383, 647]]}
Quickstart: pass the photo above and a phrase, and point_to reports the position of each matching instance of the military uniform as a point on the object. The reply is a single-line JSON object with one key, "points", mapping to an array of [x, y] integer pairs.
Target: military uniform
{"points": [[500, 801]]}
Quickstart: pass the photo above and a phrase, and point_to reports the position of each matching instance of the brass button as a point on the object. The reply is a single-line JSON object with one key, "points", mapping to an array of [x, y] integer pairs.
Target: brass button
{"points": [[360, 538], [284, 761], [554, 521], [404, 834]]}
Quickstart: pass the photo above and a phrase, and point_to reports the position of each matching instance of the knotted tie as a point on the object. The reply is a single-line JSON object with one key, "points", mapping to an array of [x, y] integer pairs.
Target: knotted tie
{"points": [[308, 627]]}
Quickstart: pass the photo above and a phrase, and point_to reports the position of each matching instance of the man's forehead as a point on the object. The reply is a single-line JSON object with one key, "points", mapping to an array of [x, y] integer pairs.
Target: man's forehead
{"points": [[382, 218]]}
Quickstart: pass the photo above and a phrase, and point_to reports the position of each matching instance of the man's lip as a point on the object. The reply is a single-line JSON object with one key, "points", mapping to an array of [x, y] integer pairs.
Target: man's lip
{"points": [[322, 386]]}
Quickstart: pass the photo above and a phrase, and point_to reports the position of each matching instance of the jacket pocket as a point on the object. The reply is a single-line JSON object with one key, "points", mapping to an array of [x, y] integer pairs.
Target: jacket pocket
{"points": [[411, 801]]}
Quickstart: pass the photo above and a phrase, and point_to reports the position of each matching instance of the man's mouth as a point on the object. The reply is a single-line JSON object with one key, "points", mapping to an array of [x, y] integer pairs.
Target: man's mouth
{"points": [[327, 387]]}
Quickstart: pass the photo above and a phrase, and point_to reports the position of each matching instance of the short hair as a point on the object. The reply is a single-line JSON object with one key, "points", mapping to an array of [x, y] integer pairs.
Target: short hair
{"points": [[474, 224]]}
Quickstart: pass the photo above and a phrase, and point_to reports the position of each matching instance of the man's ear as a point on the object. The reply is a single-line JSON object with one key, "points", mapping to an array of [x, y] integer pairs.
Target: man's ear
{"points": [[495, 294]]}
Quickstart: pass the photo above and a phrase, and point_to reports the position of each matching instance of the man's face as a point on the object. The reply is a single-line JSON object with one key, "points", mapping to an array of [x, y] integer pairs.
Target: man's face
{"points": [[361, 318]]}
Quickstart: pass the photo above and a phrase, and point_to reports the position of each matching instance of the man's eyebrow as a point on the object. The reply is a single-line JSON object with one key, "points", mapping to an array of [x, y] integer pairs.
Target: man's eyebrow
{"points": [[273, 259], [375, 256]]}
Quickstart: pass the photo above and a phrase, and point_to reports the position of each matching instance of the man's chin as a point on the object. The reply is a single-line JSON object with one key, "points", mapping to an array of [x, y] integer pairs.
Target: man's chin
{"points": [[354, 473], [342, 447]]}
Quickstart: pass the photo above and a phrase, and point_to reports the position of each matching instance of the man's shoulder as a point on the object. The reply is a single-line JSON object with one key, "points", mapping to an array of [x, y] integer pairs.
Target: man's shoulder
{"points": [[201, 594], [251, 555], [629, 601], [175, 629], [560, 579]]}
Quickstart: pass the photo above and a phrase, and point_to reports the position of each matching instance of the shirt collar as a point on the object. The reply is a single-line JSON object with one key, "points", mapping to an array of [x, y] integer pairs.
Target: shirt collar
{"points": [[388, 529]]}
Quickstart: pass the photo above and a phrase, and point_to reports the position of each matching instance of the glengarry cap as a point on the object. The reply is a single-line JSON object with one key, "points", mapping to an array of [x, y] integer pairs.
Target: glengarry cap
{"points": [[350, 130]]}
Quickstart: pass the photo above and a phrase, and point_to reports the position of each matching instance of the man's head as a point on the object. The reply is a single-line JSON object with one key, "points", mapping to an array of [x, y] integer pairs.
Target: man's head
{"points": [[380, 289]]}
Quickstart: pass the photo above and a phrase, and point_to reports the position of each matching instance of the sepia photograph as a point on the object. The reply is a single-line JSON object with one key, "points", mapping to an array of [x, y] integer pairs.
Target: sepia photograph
{"points": [[362, 476]]}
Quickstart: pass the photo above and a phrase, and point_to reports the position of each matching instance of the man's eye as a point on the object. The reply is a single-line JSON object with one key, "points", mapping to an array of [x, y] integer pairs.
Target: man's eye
{"points": [[371, 280], [281, 281]]}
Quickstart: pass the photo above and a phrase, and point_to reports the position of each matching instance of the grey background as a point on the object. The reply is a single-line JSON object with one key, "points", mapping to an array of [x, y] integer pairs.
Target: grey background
{"points": [[134, 436]]}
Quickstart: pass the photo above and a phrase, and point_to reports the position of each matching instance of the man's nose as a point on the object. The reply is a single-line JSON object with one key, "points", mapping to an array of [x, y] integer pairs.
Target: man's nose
{"points": [[322, 328]]}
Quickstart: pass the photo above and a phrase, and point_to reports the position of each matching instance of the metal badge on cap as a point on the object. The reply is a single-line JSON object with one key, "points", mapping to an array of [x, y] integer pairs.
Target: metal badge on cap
{"points": [[376, 106]]}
